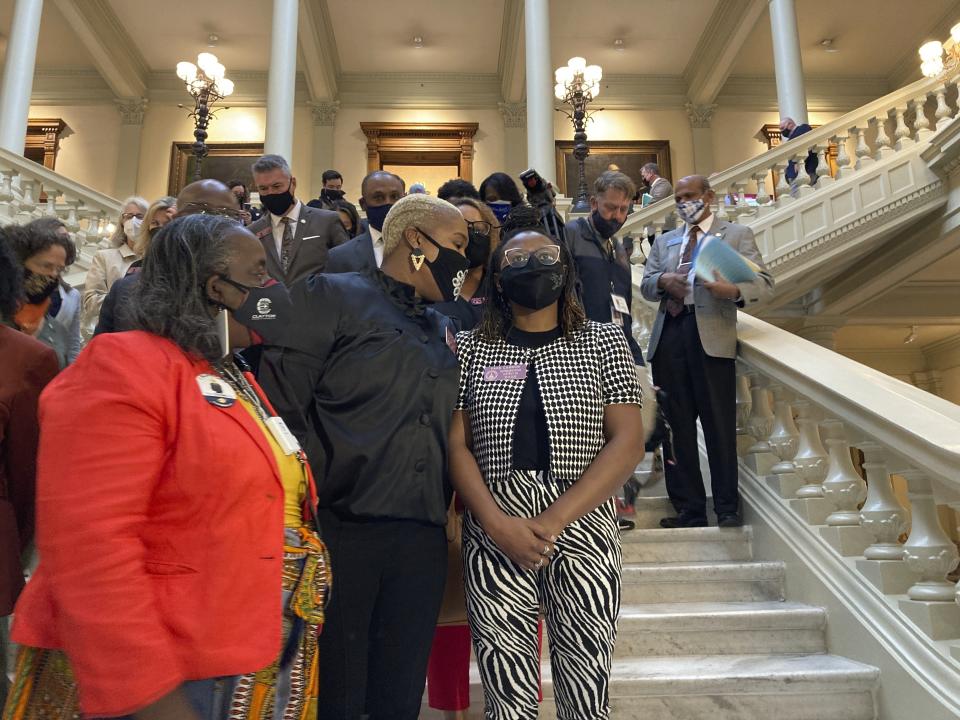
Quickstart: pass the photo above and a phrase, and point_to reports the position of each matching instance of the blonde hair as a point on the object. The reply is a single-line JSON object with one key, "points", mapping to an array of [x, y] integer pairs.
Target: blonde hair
{"points": [[421, 211], [119, 238], [143, 237]]}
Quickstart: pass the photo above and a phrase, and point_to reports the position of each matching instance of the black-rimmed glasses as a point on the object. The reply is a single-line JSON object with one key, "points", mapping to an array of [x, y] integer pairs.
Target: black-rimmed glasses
{"points": [[546, 255]]}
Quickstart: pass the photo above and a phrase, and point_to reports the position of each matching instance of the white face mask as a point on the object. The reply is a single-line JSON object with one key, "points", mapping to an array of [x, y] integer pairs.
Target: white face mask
{"points": [[131, 227]]}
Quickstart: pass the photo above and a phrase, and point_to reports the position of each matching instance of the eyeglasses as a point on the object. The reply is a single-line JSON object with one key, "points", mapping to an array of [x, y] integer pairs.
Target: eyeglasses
{"points": [[546, 255], [128, 216], [480, 227], [202, 208]]}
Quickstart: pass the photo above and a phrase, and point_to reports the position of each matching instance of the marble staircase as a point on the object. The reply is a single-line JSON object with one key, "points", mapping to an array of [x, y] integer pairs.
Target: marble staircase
{"points": [[705, 633]]}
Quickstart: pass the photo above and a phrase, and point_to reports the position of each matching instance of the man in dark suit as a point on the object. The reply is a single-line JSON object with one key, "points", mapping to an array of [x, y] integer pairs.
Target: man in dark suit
{"points": [[790, 130], [693, 347], [378, 192], [296, 238]]}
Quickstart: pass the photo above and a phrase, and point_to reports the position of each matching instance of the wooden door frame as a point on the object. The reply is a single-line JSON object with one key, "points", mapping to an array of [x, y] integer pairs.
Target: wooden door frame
{"points": [[394, 143]]}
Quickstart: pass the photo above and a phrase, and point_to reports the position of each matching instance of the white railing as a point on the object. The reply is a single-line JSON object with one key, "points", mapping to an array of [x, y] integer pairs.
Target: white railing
{"points": [[85, 212], [897, 125], [800, 410]]}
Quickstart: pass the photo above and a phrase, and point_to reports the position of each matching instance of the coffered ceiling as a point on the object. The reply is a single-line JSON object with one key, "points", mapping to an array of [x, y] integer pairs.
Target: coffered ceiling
{"points": [[680, 48]]}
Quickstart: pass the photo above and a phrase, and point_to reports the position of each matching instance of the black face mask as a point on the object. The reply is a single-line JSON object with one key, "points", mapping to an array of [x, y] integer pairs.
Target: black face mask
{"points": [[377, 214], [278, 203], [533, 286], [37, 287], [448, 270], [267, 309], [332, 195], [478, 249], [605, 228]]}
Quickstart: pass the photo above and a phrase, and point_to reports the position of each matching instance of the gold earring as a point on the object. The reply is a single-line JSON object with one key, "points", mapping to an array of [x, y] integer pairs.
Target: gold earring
{"points": [[417, 257]]}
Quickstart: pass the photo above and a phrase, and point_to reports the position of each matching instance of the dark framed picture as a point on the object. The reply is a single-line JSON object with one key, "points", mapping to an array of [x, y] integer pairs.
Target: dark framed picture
{"points": [[225, 161], [628, 156]]}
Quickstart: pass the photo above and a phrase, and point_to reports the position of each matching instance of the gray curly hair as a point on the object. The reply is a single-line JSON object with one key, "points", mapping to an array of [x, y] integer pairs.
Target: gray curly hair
{"points": [[421, 211]]}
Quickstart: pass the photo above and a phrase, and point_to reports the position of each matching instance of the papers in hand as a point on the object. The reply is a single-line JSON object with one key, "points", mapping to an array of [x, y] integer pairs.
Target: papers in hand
{"points": [[715, 256], [646, 199]]}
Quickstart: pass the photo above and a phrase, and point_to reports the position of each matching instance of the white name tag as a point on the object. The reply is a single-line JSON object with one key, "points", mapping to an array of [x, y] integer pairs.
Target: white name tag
{"points": [[620, 304], [281, 433]]}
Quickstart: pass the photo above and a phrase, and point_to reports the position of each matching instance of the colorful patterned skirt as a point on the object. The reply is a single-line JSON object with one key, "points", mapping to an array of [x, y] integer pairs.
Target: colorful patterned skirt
{"points": [[44, 687]]}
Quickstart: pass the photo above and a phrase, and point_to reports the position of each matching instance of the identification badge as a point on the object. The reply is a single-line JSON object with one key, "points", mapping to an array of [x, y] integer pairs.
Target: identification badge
{"points": [[505, 372], [615, 317], [281, 433], [216, 391], [620, 304]]}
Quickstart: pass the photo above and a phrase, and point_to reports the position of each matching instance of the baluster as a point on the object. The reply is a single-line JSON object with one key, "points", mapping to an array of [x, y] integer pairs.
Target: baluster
{"points": [[7, 208], [943, 112], [721, 212], [783, 187], [920, 123], [843, 487], [762, 196], [27, 205], [784, 436], [51, 204], [823, 165], [883, 140], [802, 180], [760, 420], [72, 221], [744, 402], [843, 160], [929, 555], [811, 458], [862, 151], [881, 514], [901, 133]]}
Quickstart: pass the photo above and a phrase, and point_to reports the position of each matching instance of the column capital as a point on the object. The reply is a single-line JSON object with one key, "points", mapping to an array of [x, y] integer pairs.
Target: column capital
{"points": [[325, 112], [822, 330], [700, 115], [514, 114], [131, 110]]}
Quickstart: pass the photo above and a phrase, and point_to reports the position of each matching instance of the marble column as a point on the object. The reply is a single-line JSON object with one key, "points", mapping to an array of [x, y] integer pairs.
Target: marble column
{"points": [[700, 117], [282, 81], [541, 153], [324, 118], [128, 158], [787, 63], [18, 74], [515, 138]]}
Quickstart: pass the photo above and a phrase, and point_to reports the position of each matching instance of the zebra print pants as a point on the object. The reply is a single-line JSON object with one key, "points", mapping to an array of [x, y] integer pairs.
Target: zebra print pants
{"points": [[578, 591]]}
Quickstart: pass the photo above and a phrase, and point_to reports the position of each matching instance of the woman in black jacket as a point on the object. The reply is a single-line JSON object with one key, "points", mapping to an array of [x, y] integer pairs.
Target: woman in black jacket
{"points": [[366, 376]]}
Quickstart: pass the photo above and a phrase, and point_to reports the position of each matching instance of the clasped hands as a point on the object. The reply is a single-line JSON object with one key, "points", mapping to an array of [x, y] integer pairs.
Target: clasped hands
{"points": [[677, 287], [529, 542]]}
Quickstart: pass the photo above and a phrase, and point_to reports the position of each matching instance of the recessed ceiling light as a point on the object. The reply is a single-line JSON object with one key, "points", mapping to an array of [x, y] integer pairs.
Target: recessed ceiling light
{"points": [[827, 44], [618, 45], [417, 42], [212, 40]]}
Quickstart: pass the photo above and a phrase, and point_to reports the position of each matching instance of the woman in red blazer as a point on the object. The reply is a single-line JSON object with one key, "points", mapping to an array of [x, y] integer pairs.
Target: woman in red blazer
{"points": [[164, 510]]}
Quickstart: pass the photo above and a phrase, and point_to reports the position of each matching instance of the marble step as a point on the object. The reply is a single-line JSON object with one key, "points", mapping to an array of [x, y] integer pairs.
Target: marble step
{"points": [[686, 544], [649, 511], [736, 628], [694, 582], [737, 687]]}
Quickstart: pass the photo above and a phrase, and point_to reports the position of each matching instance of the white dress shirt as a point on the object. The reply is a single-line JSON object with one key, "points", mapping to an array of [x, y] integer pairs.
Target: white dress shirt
{"points": [[377, 237], [705, 224], [276, 222]]}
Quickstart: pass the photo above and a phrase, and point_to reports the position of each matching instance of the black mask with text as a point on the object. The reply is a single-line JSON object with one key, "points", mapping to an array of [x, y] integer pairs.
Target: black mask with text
{"points": [[533, 286], [266, 310]]}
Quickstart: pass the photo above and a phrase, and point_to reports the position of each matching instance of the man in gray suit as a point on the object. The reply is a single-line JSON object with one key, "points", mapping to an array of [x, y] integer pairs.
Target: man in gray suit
{"points": [[660, 187], [692, 348], [296, 238]]}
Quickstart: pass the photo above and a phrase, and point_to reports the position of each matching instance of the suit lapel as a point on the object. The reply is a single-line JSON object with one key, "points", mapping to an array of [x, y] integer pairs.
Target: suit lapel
{"points": [[368, 254], [299, 230], [265, 235]]}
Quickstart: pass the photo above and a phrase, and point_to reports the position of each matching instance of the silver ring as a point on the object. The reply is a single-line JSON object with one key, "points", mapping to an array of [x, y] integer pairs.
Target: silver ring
{"points": [[546, 551], [539, 563]]}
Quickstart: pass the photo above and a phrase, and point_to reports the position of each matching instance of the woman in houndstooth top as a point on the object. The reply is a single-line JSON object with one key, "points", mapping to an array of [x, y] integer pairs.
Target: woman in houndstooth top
{"points": [[547, 428]]}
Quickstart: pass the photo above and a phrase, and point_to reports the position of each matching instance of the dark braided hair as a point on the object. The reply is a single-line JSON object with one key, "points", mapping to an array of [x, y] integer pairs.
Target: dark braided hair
{"points": [[171, 299], [11, 272], [497, 315]]}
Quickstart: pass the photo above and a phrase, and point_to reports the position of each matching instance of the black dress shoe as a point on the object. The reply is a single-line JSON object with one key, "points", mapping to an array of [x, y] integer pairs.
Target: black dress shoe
{"points": [[625, 524], [730, 520], [682, 522]]}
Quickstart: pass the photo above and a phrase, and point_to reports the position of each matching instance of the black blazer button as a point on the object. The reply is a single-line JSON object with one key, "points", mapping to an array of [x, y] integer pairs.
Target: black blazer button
{"points": [[425, 419], [420, 466]]}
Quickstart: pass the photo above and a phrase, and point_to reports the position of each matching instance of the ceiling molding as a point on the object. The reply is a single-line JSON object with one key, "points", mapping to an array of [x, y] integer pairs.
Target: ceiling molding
{"points": [[70, 86], [511, 66], [824, 94], [723, 37], [947, 345], [420, 90], [643, 92], [114, 52], [907, 68], [318, 50], [250, 89]]}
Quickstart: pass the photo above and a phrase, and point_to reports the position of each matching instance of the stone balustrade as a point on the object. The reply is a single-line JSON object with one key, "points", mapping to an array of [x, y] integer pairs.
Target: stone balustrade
{"points": [[900, 430], [880, 183], [86, 213]]}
